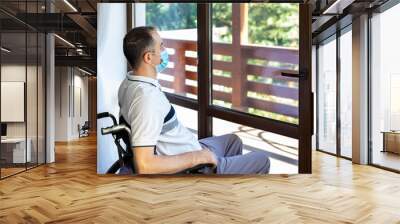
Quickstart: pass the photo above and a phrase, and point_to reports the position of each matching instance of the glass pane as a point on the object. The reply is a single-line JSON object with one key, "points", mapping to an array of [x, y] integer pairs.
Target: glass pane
{"points": [[31, 98], [327, 96], [385, 87], [281, 150], [13, 86], [346, 94], [177, 26], [32, 88], [250, 50], [187, 117]]}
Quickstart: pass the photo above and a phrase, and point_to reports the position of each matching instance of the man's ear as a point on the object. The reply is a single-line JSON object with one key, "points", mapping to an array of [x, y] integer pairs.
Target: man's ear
{"points": [[147, 57]]}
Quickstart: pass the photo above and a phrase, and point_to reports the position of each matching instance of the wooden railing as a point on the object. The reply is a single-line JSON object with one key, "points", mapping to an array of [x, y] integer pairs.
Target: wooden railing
{"points": [[240, 66]]}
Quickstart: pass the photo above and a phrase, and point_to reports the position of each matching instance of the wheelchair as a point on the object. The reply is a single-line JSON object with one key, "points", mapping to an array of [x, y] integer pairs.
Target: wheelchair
{"points": [[121, 132], [84, 129]]}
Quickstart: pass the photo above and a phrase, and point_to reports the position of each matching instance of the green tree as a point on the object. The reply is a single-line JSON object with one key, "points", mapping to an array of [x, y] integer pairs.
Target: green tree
{"points": [[274, 24], [171, 16], [222, 17], [271, 24]]}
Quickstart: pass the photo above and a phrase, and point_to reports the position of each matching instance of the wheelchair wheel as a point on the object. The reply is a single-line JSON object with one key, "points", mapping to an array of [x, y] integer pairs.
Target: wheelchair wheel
{"points": [[114, 168], [126, 169]]}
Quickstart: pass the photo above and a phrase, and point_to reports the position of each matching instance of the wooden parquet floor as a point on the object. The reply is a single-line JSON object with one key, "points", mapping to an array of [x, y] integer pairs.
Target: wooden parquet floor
{"points": [[70, 191]]}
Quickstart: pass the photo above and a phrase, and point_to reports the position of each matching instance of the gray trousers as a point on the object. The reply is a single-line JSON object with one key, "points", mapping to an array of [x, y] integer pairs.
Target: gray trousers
{"points": [[228, 149]]}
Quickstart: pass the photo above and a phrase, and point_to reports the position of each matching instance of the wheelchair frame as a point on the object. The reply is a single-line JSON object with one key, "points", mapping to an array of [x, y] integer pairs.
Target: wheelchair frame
{"points": [[125, 164]]}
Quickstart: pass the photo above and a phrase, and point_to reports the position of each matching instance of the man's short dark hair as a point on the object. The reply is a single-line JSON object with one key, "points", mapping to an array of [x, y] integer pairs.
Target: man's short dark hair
{"points": [[136, 42]]}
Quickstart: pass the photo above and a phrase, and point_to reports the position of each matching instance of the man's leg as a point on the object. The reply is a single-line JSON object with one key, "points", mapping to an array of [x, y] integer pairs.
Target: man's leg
{"points": [[250, 163], [224, 145], [228, 149]]}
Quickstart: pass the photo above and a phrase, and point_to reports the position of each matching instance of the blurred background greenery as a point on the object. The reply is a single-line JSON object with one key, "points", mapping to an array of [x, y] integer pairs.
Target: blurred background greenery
{"points": [[270, 24]]}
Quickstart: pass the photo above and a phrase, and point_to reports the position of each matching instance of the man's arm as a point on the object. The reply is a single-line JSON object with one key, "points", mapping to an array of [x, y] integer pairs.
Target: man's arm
{"points": [[148, 163]]}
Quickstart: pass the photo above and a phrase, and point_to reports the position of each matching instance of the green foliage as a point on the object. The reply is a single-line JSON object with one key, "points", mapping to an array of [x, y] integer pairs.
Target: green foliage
{"points": [[172, 16], [272, 24], [222, 17]]}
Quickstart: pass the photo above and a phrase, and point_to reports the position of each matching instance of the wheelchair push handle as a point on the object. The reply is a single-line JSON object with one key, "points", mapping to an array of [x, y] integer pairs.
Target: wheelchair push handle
{"points": [[106, 114], [102, 115], [116, 129]]}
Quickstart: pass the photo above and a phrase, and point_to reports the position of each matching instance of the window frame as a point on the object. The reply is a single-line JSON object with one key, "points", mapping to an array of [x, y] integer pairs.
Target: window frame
{"points": [[336, 36]]}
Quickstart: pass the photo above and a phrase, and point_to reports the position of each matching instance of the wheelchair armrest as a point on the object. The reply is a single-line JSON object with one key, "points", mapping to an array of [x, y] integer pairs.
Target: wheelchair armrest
{"points": [[196, 169]]}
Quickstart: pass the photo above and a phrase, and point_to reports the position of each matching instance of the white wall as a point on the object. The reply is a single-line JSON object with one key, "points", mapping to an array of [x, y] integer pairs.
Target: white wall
{"points": [[111, 70], [80, 84], [139, 14], [61, 104], [67, 115]]}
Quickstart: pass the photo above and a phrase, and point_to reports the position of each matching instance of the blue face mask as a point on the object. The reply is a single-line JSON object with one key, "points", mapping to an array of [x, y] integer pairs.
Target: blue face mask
{"points": [[164, 61]]}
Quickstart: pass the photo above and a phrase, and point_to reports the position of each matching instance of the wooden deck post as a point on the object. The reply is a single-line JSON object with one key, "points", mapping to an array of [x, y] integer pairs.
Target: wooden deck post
{"points": [[239, 37], [179, 69]]}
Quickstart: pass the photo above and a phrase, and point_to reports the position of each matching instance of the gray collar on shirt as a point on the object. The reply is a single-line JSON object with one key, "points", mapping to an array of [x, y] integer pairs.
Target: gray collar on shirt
{"points": [[140, 78]]}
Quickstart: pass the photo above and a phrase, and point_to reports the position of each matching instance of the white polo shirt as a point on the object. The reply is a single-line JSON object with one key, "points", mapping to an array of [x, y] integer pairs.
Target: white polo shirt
{"points": [[144, 107]]}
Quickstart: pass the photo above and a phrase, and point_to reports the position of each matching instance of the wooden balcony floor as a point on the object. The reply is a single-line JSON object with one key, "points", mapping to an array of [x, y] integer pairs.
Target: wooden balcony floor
{"points": [[70, 191]]}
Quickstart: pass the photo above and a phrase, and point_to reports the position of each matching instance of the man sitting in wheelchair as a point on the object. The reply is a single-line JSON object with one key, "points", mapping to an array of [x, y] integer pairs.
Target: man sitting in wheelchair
{"points": [[161, 144]]}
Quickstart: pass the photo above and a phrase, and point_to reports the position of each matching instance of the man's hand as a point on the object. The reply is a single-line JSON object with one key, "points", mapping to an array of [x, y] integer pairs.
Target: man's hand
{"points": [[208, 156]]}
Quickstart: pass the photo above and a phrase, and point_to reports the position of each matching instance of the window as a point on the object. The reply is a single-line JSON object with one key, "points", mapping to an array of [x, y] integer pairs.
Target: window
{"points": [[385, 89], [247, 86], [327, 96], [346, 93], [334, 94], [282, 151], [13, 82], [177, 25], [249, 52], [22, 79]]}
